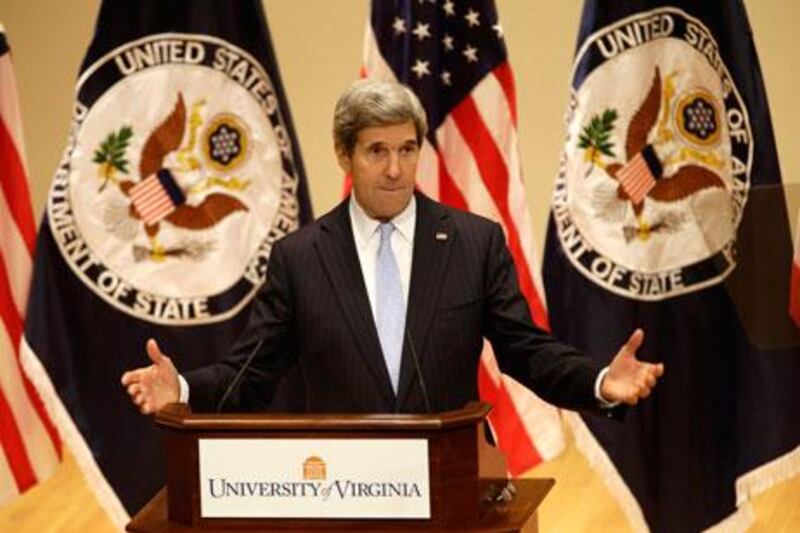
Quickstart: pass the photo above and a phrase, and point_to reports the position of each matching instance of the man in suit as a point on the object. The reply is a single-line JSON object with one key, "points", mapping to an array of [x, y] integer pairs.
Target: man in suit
{"points": [[382, 304]]}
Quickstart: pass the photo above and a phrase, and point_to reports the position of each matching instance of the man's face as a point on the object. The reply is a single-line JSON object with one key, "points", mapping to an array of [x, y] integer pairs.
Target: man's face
{"points": [[383, 166]]}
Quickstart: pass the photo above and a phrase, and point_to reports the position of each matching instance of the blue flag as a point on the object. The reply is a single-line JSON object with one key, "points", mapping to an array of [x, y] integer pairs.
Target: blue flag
{"points": [[668, 214], [180, 172]]}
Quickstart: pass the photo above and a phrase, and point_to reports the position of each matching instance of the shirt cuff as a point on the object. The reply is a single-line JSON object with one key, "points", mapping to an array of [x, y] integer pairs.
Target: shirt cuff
{"points": [[183, 394], [604, 404]]}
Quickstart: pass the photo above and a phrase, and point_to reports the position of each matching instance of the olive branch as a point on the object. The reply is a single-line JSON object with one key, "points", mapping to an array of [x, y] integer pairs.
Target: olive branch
{"points": [[111, 155], [596, 137]]}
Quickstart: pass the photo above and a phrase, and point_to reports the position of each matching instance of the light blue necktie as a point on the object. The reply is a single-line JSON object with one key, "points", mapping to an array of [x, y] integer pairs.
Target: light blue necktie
{"points": [[390, 307]]}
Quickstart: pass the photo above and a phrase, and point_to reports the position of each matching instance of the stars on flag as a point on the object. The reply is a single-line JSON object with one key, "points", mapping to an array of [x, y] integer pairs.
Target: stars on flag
{"points": [[449, 8], [498, 29], [399, 26], [472, 18], [421, 69], [422, 31], [454, 47], [471, 53], [447, 41]]}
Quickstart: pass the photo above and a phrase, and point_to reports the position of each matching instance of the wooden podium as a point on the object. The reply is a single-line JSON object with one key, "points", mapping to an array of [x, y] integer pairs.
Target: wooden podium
{"points": [[468, 486]]}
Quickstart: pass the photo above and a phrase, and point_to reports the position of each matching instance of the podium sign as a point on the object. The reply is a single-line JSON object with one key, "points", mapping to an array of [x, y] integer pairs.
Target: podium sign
{"points": [[314, 478]]}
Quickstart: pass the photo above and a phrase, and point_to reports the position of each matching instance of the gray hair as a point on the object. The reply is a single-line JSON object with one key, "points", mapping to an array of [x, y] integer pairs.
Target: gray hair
{"points": [[368, 103]]}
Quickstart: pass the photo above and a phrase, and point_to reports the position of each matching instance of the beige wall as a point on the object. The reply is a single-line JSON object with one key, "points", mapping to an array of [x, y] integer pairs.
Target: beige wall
{"points": [[318, 44]]}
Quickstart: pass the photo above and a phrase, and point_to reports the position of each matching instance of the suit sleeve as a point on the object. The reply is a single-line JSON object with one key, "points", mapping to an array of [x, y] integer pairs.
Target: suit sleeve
{"points": [[271, 320], [556, 372]]}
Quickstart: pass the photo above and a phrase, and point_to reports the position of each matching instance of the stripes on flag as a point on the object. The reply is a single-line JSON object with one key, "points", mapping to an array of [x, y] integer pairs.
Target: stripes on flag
{"points": [[794, 285], [639, 175], [471, 161], [156, 196], [30, 448]]}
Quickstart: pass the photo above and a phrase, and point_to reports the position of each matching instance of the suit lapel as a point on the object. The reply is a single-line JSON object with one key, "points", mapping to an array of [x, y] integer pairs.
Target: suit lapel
{"points": [[433, 240], [337, 251]]}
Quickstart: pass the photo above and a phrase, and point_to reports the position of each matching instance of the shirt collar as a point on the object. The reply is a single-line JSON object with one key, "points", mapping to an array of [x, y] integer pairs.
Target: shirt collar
{"points": [[365, 227]]}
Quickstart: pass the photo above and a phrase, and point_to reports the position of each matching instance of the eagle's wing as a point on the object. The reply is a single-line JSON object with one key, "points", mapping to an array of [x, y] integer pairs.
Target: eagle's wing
{"points": [[163, 140], [644, 119], [685, 182], [211, 210]]}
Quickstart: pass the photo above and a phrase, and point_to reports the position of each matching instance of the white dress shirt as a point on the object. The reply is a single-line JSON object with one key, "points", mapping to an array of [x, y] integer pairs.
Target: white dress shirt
{"points": [[368, 239]]}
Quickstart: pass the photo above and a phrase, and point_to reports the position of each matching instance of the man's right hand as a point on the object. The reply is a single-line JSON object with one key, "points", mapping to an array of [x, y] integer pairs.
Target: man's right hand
{"points": [[154, 386]]}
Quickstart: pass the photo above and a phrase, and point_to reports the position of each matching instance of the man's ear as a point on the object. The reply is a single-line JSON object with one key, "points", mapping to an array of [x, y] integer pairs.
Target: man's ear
{"points": [[343, 159]]}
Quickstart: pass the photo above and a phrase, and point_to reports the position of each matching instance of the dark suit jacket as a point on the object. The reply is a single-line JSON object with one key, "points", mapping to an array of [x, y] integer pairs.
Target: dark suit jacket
{"points": [[314, 316]]}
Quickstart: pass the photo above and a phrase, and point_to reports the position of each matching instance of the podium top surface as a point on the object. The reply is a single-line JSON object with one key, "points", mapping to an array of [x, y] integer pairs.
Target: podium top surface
{"points": [[179, 417]]}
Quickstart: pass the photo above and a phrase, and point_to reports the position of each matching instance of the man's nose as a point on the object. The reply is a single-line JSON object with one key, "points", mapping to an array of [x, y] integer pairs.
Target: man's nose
{"points": [[393, 170]]}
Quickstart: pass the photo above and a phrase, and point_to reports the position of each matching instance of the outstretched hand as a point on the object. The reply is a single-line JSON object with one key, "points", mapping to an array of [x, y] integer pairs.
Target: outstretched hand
{"points": [[628, 380], [154, 386]]}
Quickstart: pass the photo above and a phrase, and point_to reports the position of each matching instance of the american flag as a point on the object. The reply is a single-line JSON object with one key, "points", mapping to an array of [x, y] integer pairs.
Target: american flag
{"points": [[156, 196], [454, 57], [31, 448]]}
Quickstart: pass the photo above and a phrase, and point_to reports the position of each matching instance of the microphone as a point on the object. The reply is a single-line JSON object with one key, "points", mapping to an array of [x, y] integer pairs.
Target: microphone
{"points": [[239, 375], [500, 493], [418, 370]]}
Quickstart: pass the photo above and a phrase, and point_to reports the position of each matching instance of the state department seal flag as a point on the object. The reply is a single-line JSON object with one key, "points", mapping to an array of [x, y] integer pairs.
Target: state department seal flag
{"points": [[668, 214], [181, 170], [453, 56]]}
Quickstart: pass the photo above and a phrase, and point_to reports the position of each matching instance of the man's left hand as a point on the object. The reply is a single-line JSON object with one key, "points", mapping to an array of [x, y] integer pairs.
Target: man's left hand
{"points": [[628, 380]]}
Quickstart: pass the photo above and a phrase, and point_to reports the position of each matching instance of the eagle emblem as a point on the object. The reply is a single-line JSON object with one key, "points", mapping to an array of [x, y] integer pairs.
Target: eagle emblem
{"points": [[179, 175], [650, 148], [177, 186]]}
